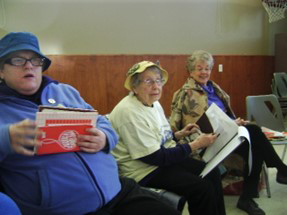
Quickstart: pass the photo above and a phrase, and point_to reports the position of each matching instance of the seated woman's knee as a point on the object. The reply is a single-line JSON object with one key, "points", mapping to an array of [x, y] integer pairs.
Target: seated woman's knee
{"points": [[253, 128]]}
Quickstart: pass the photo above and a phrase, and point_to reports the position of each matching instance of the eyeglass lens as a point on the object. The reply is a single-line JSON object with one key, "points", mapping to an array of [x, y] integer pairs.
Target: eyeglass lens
{"points": [[19, 61], [150, 82]]}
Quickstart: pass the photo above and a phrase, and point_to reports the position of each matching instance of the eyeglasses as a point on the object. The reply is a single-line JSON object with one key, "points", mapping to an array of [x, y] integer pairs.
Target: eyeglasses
{"points": [[150, 82], [20, 61]]}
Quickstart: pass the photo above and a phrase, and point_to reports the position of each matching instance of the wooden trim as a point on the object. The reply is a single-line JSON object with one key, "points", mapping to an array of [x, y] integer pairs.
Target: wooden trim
{"points": [[100, 78]]}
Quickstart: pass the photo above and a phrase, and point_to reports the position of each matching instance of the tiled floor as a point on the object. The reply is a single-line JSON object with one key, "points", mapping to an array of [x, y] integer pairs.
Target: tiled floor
{"points": [[276, 205]]}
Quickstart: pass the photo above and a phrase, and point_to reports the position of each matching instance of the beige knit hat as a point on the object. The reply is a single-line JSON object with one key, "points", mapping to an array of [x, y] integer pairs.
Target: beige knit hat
{"points": [[141, 67]]}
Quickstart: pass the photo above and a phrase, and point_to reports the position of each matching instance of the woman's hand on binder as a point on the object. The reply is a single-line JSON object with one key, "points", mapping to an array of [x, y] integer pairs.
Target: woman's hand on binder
{"points": [[94, 142], [187, 130], [203, 141], [240, 121]]}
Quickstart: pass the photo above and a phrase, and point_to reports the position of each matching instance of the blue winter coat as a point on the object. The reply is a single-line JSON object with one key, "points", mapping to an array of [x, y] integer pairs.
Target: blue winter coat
{"points": [[66, 183]]}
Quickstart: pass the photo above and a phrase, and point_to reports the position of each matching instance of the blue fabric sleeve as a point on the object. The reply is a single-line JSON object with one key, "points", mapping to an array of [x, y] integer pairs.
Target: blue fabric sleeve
{"points": [[105, 126], [173, 137], [167, 156], [8, 206], [5, 147]]}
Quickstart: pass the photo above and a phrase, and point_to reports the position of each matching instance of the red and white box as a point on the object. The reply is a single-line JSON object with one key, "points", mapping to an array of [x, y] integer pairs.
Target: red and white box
{"points": [[61, 128], [57, 139]]}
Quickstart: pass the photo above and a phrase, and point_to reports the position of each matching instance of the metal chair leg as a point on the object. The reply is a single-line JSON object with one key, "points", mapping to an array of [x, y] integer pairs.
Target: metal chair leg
{"points": [[284, 152], [266, 179]]}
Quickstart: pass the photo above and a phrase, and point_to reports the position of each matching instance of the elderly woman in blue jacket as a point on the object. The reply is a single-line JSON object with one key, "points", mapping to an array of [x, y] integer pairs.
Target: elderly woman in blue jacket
{"points": [[83, 182]]}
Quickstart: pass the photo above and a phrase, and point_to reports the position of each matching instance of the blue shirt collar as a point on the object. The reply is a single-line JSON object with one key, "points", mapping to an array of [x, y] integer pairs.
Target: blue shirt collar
{"points": [[36, 97]]}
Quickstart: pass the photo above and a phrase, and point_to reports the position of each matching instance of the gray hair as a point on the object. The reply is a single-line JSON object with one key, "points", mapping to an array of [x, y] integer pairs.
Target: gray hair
{"points": [[1, 64], [135, 79], [197, 56], [3, 59], [1, 68]]}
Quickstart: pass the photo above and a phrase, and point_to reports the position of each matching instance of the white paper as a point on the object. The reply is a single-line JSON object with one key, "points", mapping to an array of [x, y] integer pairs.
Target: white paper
{"points": [[230, 137], [222, 125], [59, 118]]}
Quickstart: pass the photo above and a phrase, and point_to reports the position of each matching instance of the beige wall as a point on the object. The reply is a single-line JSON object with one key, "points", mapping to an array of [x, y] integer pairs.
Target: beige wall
{"points": [[229, 27]]}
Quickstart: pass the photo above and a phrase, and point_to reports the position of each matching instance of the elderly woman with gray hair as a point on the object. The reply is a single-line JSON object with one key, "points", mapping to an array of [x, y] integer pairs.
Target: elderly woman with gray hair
{"points": [[193, 99], [147, 150]]}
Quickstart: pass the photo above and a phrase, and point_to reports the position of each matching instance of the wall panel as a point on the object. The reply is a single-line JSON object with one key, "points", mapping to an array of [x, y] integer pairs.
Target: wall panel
{"points": [[280, 52], [100, 78]]}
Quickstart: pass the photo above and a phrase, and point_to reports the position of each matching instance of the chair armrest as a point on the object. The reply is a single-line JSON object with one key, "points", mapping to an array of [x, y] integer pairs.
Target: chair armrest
{"points": [[168, 197]]}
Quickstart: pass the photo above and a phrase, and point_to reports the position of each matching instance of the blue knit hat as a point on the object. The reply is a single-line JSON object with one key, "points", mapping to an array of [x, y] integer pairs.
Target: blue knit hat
{"points": [[17, 41]]}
